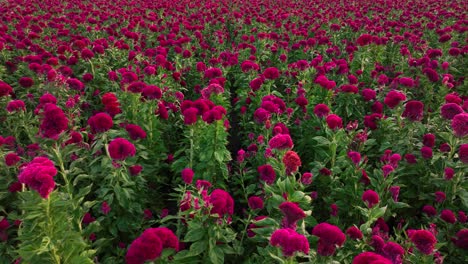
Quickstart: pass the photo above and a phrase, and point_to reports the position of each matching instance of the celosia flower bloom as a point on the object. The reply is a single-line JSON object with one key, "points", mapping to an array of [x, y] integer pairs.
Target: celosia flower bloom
{"points": [[292, 213], [370, 258], [355, 157], [450, 110], [290, 242], [393, 98], [463, 153], [321, 110], [54, 121], [330, 237], [334, 121], [271, 73], [11, 159], [150, 244], [221, 202], [429, 210], [187, 175], [281, 141], [120, 149], [100, 122], [306, 178], [15, 106], [424, 240], [135, 132], [414, 110], [267, 173], [39, 176], [354, 233], [394, 252], [448, 216], [461, 239], [429, 140], [460, 125], [291, 161], [371, 198], [255, 202]]}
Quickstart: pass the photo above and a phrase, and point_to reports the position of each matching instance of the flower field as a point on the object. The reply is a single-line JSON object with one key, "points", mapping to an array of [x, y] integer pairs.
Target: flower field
{"points": [[233, 131]]}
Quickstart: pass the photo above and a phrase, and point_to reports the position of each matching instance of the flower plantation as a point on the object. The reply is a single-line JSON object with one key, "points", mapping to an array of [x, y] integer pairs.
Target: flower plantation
{"points": [[136, 131]]}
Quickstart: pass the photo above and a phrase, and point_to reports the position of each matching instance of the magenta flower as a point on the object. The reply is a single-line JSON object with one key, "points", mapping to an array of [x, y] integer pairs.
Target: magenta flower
{"points": [[393, 98], [100, 122], [450, 110], [334, 121], [414, 110], [135, 132], [321, 110], [448, 216], [255, 202], [354, 233], [267, 173], [187, 175], [371, 198], [330, 236], [291, 161], [271, 73], [120, 149], [54, 121], [369, 258], [150, 244], [292, 213], [221, 202], [461, 239], [424, 241], [281, 141], [290, 242], [39, 176], [460, 125]]}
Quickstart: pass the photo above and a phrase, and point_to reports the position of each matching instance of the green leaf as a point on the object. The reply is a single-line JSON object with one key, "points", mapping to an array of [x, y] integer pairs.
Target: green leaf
{"points": [[322, 141], [198, 247], [216, 255], [401, 205], [464, 197], [195, 235]]}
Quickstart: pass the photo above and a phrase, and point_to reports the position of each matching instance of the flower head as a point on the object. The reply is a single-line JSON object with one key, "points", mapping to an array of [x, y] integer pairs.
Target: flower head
{"points": [[414, 110], [423, 240], [460, 125], [371, 198], [289, 241], [54, 121], [370, 258], [291, 161], [39, 175], [120, 149], [330, 237], [292, 213], [222, 203], [281, 141], [334, 121], [267, 173], [100, 122]]}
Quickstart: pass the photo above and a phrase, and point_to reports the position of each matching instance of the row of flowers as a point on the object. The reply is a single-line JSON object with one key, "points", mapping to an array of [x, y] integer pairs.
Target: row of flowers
{"points": [[233, 131]]}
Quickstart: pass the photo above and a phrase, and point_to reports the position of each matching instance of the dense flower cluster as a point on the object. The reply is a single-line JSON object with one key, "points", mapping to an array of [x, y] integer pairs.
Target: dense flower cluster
{"points": [[150, 244], [120, 149], [39, 175], [54, 121], [330, 236], [290, 241], [423, 240]]}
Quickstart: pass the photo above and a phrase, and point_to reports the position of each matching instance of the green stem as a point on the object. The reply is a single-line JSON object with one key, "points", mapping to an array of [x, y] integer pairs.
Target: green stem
{"points": [[245, 229], [50, 232]]}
